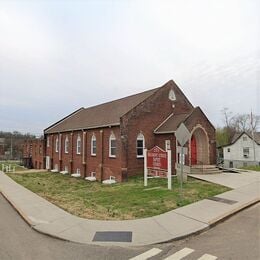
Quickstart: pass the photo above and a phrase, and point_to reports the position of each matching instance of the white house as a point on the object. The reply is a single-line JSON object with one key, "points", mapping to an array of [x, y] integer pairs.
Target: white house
{"points": [[243, 151]]}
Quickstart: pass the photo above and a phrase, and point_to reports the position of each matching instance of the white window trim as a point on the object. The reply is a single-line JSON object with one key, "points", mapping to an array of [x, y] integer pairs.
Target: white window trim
{"points": [[140, 137], [66, 145], [167, 145], [112, 137], [48, 141], [93, 138], [78, 146], [57, 145]]}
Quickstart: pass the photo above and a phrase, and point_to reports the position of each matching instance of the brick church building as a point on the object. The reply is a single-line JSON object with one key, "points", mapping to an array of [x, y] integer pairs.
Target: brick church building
{"points": [[108, 139]]}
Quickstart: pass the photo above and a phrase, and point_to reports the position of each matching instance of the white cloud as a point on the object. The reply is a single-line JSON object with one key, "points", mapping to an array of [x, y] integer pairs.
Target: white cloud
{"points": [[58, 56]]}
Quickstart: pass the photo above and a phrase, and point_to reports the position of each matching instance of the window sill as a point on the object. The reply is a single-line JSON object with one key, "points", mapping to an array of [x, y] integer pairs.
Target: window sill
{"points": [[139, 156], [112, 156], [93, 155]]}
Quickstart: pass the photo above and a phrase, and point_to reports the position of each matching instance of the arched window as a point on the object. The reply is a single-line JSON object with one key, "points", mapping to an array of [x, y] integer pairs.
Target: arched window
{"points": [[112, 145], [57, 144], [78, 144], [140, 144], [66, 145], [93, 145]]}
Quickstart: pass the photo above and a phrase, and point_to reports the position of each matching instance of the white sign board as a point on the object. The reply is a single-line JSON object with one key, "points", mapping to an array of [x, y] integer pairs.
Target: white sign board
{"points": [[185, 150], [182, 134]]}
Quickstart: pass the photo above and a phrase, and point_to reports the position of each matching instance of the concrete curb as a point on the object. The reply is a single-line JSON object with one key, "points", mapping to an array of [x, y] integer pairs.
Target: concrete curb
{"points": [[28, 221], [214, 223], [189, 232]]}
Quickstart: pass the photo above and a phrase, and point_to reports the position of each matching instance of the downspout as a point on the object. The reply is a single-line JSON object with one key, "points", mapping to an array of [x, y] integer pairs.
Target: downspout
{"points": [[102, 154], [60, 135], [83, 154], [71, 153], [52, 144]]}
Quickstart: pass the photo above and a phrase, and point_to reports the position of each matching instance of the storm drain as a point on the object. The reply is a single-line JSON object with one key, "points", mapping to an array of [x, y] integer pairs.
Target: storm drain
{"points": [[227, 201], [113, 236]]}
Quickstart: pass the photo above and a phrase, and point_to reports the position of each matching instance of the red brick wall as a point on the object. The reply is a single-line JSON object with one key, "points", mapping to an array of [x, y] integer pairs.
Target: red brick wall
{"points": [[35, 149], [101, 164], [145, 118], [55, 155]]}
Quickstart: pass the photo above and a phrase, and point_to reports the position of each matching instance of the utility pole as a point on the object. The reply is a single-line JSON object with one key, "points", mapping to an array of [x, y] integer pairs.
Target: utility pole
{"points": [[253, 136], [11, 147]]}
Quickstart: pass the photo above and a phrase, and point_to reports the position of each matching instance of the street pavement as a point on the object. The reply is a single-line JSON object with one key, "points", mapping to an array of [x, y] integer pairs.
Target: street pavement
{"points": [[47, 218], [236, 238]]}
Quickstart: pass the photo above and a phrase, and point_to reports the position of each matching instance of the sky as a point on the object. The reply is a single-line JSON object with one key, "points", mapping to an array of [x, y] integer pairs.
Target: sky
{"points": [[58, 56]]}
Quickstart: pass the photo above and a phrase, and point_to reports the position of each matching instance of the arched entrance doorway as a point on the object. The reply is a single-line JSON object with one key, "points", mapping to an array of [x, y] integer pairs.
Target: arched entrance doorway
{"points": [[199, 147]]}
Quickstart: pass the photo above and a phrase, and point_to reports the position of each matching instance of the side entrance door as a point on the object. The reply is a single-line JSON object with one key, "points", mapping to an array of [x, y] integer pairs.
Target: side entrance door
{"points": [[48, 162]]}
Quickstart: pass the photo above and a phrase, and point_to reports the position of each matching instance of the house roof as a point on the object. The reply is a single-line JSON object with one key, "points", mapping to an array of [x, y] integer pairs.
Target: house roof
{"points": [[107, 114], [238, 135]]}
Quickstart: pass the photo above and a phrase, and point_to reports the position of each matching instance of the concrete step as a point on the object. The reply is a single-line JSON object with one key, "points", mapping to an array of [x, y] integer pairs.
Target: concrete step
{"points": [[205, 170]]}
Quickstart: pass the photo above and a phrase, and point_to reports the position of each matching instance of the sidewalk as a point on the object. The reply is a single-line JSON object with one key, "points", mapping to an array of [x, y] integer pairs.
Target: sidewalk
{"points": [[49, 219]]}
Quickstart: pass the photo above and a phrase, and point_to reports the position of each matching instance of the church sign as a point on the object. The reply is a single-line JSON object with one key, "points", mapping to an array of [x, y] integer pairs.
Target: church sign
{"points": [[157, 159], [157, 163]]}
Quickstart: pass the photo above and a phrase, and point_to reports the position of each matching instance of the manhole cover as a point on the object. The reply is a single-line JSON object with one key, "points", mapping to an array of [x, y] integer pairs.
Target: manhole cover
{"points": [[227, 201], [113, 236]]}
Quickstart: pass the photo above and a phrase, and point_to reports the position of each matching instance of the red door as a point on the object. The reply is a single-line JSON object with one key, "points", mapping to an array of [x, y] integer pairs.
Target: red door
{"points": [[193, 151]]}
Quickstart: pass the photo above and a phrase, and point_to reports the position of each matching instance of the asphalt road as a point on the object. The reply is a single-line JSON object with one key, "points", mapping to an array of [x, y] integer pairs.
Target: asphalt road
{"points": [[236, 238], [18, 241]]}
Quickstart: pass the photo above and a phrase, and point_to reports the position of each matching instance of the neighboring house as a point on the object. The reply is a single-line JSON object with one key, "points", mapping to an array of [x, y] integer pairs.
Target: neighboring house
{"points": [[109, 139], [243, 151], [34, 153]]}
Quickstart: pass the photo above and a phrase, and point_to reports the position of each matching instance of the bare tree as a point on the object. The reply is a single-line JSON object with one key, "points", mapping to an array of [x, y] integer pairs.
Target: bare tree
{"points": [[244, 123], [227, 116]]}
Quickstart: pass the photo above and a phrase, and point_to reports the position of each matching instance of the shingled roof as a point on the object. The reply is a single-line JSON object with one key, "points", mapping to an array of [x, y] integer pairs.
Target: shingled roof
{"points": [[238, 135], [107, 114], [171, 124]]}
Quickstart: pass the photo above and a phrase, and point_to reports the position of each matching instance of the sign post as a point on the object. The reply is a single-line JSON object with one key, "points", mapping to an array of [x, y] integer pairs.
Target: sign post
{"points": [[182, 135], [169, 173]]}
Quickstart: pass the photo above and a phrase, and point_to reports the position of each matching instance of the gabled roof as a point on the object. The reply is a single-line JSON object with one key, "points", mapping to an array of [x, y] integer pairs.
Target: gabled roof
{"points": [[171, 124], [238, 135], [107, 114]]}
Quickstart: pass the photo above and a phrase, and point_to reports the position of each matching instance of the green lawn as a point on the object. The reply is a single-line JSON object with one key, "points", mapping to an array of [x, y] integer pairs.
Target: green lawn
{"points": [[252, 168], [128, 200], [13, 164]]}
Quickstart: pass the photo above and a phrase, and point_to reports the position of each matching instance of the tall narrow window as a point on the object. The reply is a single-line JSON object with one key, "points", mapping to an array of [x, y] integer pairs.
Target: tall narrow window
{"points": [[246, 152], [57, 145], [140, 144], [78, 145], [93, 145], [48, 141], [167, 145], [66, 145], [112, 146]]}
